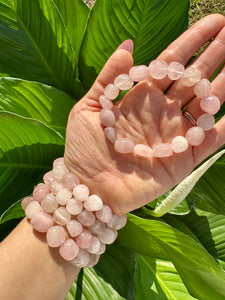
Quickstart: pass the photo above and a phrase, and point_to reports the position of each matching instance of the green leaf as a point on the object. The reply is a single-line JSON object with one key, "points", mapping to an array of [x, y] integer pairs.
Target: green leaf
{"points": [[27, 150], [35, 44], [15, 211], [151, 24], [158, 279], [37, 101], [156, 239]]}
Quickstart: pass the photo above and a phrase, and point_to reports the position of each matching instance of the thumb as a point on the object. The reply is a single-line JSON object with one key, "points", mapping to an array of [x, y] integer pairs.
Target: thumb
{"points": [[119, 63]]}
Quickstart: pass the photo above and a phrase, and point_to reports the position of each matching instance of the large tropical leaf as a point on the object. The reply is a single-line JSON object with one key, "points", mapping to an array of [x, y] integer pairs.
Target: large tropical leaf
{"points": [[26, 152], [158, 239], [151, 24]]}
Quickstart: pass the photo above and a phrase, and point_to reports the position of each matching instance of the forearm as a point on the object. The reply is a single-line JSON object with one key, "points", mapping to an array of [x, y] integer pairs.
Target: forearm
{"points": [[32, 270]]}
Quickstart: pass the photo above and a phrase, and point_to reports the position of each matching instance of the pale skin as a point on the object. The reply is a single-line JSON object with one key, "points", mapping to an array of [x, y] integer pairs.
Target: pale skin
{"points": [[147, 115]]}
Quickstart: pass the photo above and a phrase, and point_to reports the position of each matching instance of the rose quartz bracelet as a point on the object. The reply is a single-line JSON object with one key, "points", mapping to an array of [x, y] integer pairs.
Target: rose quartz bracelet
{"points": [[78, 223]]}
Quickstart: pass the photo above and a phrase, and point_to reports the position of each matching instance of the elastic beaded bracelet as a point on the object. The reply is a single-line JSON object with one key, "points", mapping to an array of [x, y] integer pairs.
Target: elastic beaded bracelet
{"points": [[159, 69], [78, 223]]}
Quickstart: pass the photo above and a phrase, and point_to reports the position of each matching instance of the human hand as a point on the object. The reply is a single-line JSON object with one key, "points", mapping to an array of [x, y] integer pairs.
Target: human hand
{"points": [[150, 113]]}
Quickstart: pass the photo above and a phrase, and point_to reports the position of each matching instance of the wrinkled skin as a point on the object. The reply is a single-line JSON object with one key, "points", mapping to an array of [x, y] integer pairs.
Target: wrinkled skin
{"points": [[147, 116]]}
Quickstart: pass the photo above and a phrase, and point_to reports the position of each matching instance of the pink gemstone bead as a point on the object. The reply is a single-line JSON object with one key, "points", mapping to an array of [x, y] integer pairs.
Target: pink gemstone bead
{"points": [[86, 218], [158, 69], [195, 136], [82, 259], [61, 216], [93, 203], [162, 150], [105, 102], [85, 239], [202, 88], [123, 82], [48, 178], [107, 117], [179, 144], [108, 236], [111, 91], [63, 196], [81, 192], [59, 171], [25, 202], [74, 228], [143, 150], [105, 214], [175, 70], [74, 206], [110, 133], [97, 228], [40, 192], [42, 221], [210, 104], [206, 122], [95, 246], [124, 145], [102, 248], [94, 258], [56, 186], [70, 180], [58, 161], [32, 208], [191, 76], [117, 222], [56, 236], [49, 204], [138, 73], [69, 250]]}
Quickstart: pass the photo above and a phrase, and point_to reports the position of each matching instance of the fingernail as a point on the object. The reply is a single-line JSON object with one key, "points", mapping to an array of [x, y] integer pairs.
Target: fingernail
{"points": [[127, 45]]}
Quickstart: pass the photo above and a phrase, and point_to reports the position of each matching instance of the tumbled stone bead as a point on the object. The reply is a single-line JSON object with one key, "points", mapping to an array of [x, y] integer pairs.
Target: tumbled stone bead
{"points": [[70, 180], [56, 236], [97, 228], [175, 70], [95, 246], [56, 186], [74, 228], [48, 178], [210, 104], [138, 73], [42, 221], [111, 91], [191, 76], [108, 236], [158, 69], [82, 259], [81, 192], [26, 201], [86, 218], [61, 216], [105, 102], [124, 145], [69, 250], [206, 122], [195, 136], [102, 248], [202, 88], [93, 203], [117, 222], [85, 239], [74, 206], [49, 204], [40, 192], [63, 196], [143, 150], [59, 171], [58, 161], [110, 133], [105, 214], [179, 144], [123, 82], [162, 150], [32, 208], [94, 258], [107, 117]]}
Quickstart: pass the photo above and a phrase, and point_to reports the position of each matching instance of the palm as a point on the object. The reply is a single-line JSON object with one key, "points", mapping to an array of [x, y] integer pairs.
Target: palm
{"points": [[145, 115]]}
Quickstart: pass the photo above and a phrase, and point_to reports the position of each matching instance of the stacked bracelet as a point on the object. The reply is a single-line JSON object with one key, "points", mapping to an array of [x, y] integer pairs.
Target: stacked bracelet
{"points": [[76, 222], [159, 69]]}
